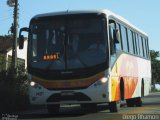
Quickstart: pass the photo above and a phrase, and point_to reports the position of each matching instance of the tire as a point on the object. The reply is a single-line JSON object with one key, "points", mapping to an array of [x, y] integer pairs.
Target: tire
{"points": [[138, 102], [53, 109], [134, 102], [130, 102], [114, 106]]}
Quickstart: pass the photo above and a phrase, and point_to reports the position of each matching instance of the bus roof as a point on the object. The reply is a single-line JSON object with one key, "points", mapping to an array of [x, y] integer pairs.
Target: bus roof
{"points": [[105, 11]]}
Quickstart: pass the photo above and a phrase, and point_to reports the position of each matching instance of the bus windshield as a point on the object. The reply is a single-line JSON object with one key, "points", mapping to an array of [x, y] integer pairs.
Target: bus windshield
{"points": [[68, 42]]}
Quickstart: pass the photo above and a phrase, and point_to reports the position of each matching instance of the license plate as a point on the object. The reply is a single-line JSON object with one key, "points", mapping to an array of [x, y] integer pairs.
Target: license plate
{"points": [[65, 93]]}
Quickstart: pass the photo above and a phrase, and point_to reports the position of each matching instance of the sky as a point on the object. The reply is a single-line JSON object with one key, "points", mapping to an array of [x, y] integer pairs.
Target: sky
{"points": [[142, 13]]}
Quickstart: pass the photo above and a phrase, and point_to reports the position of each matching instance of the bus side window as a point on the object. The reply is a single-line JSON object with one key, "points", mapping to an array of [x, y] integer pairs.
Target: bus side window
{"points": [[147, 48], [137, 42], [124, 38], [144, 47], [134, 43], [130, 41], [141, 46]]}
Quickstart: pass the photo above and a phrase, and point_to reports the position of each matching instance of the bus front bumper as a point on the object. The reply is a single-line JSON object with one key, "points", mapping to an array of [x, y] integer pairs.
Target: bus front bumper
{"points": [[96, 93]]}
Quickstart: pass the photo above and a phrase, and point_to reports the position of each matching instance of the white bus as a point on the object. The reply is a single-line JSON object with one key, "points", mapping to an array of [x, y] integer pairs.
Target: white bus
{"points": [[86, 58]]}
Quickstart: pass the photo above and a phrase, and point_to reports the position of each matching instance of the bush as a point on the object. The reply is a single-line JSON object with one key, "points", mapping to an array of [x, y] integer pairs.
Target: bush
{"points": [[155, 88], [13, 90]]}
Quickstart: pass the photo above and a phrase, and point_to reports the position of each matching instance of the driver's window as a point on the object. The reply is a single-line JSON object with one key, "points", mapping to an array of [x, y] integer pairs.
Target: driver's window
{"points": [[111, 36], [112, 43], [113, 26], [118, 44]]}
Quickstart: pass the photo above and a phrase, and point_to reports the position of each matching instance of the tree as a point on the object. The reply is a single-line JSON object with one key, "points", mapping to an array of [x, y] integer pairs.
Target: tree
{"points": [[13, 91], [155, 63]]}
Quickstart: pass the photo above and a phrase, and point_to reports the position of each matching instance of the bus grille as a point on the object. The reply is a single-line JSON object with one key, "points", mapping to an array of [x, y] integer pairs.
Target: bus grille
{"points": [[77, 97]]}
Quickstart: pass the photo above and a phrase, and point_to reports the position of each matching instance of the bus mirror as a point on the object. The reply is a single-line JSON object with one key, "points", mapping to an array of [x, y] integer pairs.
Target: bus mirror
{"points": [[112, 47], [116, 36], [21, 37], [21, 41]]}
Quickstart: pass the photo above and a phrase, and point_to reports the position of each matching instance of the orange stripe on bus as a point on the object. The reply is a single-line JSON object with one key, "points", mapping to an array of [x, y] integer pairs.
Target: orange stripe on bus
{"points": [[62, 84]]}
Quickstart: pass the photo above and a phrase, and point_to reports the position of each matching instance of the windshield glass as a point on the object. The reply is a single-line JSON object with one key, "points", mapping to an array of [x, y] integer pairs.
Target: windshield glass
{"points": [[68, 42]]}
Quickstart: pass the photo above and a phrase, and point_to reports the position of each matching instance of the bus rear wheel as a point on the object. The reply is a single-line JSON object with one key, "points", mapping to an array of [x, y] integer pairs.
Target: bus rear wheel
{"points": [[53, 109], [134, 102], [130, 102], [138, 102]]}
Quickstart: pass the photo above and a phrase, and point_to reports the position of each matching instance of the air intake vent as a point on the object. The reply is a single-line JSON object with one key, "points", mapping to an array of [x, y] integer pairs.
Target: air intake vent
{"points": [[77, 97]]}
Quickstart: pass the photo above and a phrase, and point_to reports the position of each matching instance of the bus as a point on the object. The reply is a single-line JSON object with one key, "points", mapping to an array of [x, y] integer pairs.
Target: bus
{"points": [[86, 58]]}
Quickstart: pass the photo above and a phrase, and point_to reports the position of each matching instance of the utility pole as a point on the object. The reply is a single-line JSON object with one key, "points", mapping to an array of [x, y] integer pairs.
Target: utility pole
{"points": [[14, 3], [14, 47]]}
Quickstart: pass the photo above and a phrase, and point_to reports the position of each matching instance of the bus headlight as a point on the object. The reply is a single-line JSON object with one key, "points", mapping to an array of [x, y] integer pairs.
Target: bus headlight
{"points": [[35, 85], [103, 80], [32, 83]]}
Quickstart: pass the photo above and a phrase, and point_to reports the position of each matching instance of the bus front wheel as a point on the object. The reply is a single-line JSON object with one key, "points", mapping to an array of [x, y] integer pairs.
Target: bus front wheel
{"points": [[114, 106]]}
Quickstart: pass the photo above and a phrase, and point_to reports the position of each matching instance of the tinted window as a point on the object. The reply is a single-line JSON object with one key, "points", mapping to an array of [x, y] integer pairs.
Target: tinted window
{"points": [[135, 43], [130, 41], [147, 48], [124, 38], [56, 45], [141, 46], [111, 36], [144, 48]]}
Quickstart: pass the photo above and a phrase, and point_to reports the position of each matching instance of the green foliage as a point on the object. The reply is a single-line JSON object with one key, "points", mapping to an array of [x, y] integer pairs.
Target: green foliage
{"points": [[2, 62], [13, 89], [154, 90], [155, 63]]}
